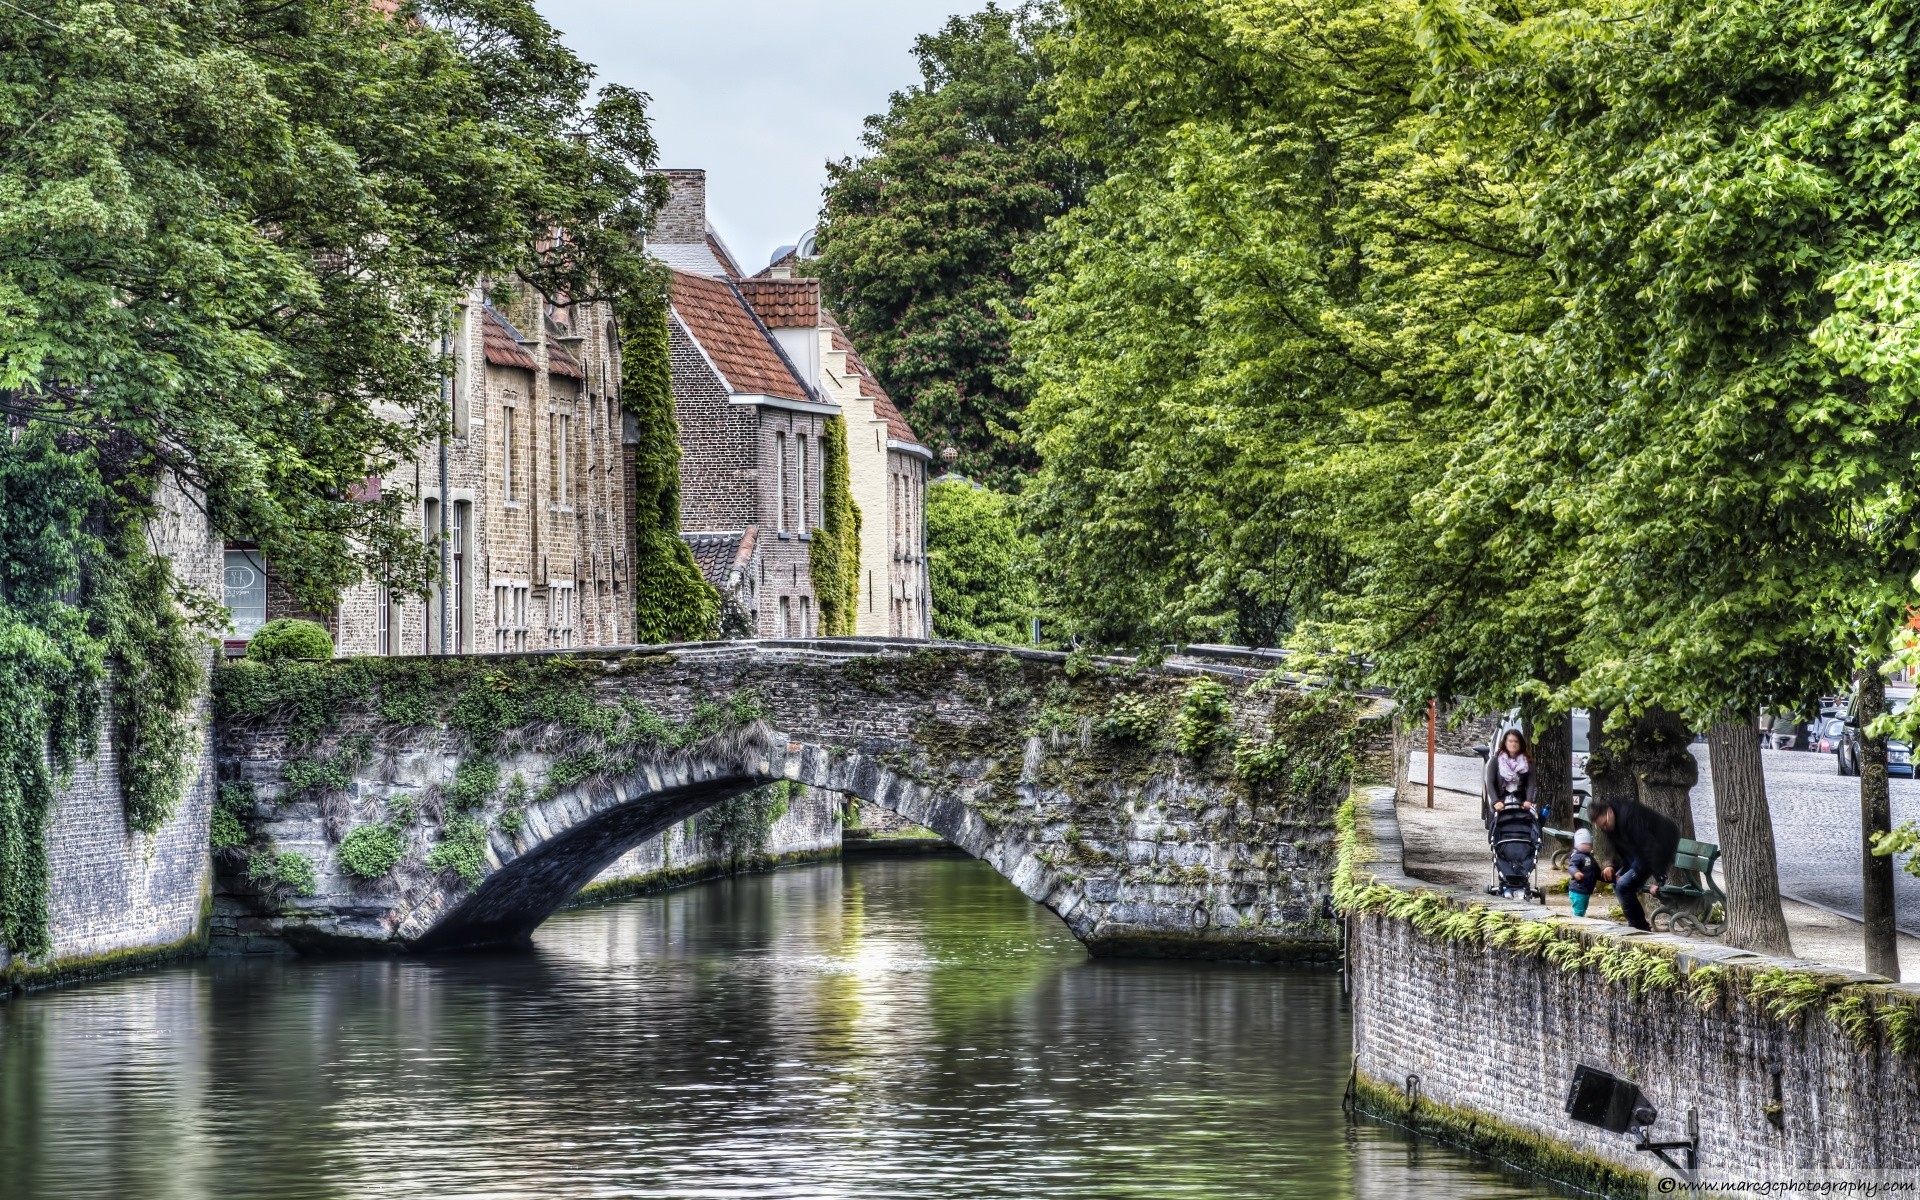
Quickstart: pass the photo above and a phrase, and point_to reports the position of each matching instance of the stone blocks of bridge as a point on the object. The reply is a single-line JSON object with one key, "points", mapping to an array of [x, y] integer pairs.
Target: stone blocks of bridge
{"points": [[1138, 850]]}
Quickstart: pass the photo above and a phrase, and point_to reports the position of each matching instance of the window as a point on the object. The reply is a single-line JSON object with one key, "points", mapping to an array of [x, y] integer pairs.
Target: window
{"points": [[560, 609], [430, 626], [786, 617], [383, 621], [245, 591], [780, 490], [559, 433], [870, 597], [463, 410], [806, 616], [457, 576], [510, 617], [800, 491], [506, 453]]}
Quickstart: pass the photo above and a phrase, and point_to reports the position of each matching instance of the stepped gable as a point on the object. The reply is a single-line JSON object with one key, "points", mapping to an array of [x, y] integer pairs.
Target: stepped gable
{"points": [[883, 406], [718, 320], [784, 303], [502, 342]]}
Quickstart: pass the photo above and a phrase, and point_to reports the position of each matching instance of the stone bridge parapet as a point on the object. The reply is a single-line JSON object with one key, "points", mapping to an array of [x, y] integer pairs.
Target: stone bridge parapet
{"points": [[1183, 809]]}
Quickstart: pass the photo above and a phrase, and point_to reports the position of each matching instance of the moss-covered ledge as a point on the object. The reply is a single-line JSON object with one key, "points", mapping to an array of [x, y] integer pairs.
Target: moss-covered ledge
{"points": [[1715, 1025]]}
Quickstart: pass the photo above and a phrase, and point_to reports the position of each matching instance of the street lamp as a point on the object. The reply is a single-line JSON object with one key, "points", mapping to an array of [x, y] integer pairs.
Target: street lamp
{"points": [[1617, 1105]]}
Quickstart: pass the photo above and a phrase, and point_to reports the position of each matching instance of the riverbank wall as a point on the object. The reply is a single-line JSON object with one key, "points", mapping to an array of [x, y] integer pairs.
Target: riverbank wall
{"points": [[118, 898], [1471, 1013]]}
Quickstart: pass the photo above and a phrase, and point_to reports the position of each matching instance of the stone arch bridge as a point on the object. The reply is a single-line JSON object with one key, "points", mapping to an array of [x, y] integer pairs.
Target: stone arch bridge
{"points": [[534, 772]]}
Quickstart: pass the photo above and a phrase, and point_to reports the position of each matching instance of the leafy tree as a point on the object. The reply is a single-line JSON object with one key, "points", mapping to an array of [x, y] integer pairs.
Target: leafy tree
{"points": [[918, 237], [226, 227], [981, 565]]}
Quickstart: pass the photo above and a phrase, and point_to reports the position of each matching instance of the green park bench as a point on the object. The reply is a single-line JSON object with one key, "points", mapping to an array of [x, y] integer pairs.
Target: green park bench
{"points": [[1691, 898]]}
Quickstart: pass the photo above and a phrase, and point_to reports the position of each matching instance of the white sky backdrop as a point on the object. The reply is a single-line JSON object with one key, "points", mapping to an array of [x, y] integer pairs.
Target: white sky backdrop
{"points": [[761, 93]]}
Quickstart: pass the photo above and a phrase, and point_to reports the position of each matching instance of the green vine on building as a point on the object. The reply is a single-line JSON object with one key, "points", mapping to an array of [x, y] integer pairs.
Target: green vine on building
{"points": [[673, 602], [834, 557], [82, 598]]}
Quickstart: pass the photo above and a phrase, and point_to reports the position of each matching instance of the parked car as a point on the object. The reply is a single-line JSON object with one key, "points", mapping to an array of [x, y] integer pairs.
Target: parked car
{"points": [[1827, 732], [1899, 754]]}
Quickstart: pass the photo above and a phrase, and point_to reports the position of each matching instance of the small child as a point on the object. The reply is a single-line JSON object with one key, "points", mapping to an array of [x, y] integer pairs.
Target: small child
{"points": [[1583, 873]]}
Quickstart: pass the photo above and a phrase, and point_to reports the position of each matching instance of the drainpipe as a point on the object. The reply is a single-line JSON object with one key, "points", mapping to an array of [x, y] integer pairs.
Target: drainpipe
{"points": [[446, 549]]}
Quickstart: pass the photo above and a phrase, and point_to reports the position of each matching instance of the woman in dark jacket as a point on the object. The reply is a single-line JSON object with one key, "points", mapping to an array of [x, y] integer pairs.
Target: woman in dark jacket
{"points": [[1510, 777]]}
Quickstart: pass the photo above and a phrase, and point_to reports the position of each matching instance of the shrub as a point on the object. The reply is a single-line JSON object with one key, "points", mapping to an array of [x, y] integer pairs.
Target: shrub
{"points": [[474, 782], [1203, 717], [370, 851], [233, 803], [290, 638], [305, 774], [288, 872], [1131, 719], [462, 849]]}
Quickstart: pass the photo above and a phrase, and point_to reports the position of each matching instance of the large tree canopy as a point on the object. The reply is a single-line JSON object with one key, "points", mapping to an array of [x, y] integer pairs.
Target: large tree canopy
{"points": [[229, 230], [917, 237]]}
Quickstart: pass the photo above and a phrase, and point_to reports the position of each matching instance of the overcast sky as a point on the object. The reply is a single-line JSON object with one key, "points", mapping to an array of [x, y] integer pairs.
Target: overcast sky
{"points": [[761, 93]]}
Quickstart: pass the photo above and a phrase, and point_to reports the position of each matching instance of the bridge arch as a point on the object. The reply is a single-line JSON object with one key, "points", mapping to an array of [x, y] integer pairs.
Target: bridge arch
{"points": [[1064, 778]]}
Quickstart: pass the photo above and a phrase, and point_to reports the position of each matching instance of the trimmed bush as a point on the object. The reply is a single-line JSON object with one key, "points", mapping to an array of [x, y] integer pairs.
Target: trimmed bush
{"points": [[290, 638]]}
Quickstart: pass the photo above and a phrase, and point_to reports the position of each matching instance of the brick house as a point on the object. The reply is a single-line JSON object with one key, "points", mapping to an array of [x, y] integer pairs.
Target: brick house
{"points": [[535, 499], [887, 462]]}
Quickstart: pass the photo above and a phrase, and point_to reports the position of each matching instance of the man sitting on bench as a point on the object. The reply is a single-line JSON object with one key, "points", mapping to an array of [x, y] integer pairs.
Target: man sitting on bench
{"points": [[1644, 843]]}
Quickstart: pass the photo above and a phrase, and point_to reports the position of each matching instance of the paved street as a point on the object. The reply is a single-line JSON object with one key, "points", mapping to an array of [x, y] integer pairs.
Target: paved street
{"points": [[1816, 824]]}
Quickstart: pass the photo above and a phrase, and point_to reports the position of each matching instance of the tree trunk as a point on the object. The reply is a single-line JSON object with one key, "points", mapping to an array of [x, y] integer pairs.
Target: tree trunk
{"points": [[1606, 772], [1754, 919], [1663, 768], [1553, 768], [1876, 815]]}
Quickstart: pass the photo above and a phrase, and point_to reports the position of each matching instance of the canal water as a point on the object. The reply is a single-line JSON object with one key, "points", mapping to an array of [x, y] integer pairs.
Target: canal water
{"points": [[878, 1028]]}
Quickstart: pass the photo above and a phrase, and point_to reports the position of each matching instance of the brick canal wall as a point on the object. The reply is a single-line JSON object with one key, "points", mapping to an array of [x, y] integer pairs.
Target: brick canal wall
{"points": [[117, 897], [1469, 1021]]}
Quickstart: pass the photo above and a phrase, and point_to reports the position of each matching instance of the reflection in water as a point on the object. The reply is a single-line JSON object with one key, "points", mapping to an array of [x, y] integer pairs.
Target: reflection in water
{"points": [[882, 1028]]}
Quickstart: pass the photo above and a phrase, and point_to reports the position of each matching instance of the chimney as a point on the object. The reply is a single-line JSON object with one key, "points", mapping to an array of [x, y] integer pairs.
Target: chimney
{"points": [[683, 219]]}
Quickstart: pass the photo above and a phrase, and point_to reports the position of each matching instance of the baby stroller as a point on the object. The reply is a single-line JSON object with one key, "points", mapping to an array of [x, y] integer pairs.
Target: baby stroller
{"points": [[1514, 834]]}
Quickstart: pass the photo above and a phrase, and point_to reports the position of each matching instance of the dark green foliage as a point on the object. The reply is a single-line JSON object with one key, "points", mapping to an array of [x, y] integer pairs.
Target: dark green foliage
{"points": [[918, 238], [673, 602], [370, 851], [232, 811], [737, 828], [1202, 721], [983, 569], [834, 556], [282, 873], [308, 774], [289, 637], [475, 781], [462, 849], [51, 663]]}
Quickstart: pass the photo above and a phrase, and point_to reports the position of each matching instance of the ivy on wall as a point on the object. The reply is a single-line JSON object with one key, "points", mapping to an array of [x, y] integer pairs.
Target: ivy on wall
{"points": [[834, 558], [672, 601], [81, 593]]}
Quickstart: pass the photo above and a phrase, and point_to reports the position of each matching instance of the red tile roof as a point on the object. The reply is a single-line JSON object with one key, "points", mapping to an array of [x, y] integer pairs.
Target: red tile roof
{"points": [[726, 330], [784, 303], [503, 344], [883, 406]]}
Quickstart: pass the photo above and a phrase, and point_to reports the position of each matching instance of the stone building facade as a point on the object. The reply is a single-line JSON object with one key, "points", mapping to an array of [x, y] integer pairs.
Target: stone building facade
{"points": [[534, 510]]}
